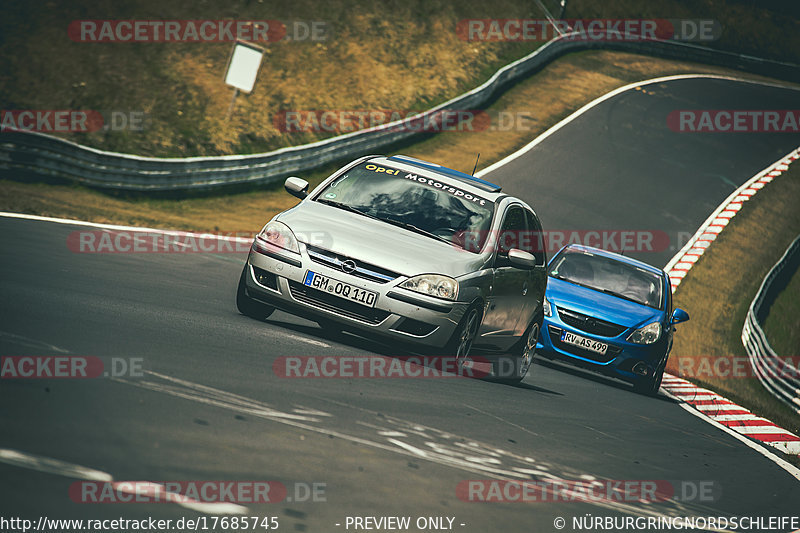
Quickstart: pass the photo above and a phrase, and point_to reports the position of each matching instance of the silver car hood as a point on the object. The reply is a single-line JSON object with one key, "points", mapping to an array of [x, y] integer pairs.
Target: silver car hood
{"points": [[376, 242]]}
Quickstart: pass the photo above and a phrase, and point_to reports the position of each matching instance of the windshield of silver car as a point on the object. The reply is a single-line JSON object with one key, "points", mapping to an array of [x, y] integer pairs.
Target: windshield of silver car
{"points": [[421, 204]]}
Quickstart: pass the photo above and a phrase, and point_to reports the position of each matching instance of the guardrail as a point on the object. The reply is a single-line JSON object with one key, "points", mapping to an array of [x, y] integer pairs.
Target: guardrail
{"points": [[780, 377], [40, 155]]}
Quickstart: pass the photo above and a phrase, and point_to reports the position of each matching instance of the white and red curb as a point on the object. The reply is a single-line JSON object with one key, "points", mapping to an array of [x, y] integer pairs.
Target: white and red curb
{"points": [[709, 403], [683, 261], [731, 415]]}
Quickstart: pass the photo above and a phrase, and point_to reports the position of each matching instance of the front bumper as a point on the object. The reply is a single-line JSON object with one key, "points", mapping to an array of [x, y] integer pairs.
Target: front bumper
{"points": [[275, 277], [619, 361]]}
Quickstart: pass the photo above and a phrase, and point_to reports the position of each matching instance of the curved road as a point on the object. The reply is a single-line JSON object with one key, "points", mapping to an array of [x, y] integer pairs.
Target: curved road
{"points": [[210, 407]]}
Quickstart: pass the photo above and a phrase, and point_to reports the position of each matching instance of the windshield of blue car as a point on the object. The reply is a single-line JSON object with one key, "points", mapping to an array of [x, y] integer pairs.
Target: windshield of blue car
{"points": [[418, 203], [610, 276]]}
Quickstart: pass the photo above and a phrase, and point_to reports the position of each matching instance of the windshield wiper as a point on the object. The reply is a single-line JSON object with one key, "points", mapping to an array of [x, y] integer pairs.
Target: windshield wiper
{"points": [[618, 295], [415, 229], [392, 221], [347, 207], [568, 280], [599, 289]]}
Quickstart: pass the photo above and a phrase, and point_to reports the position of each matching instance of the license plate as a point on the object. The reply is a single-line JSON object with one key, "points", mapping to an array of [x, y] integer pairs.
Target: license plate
{"points": [[340, 289], [583, 342]]}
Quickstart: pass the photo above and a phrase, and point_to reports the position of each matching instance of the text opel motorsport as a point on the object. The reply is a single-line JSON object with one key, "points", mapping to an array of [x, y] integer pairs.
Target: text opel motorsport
{"points": [[409, 250]]}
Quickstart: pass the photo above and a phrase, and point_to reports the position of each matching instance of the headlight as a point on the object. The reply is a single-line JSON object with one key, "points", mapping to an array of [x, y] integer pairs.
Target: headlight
{"points": [[646, 334], [433, 285], [279, 234], [548, 311]]}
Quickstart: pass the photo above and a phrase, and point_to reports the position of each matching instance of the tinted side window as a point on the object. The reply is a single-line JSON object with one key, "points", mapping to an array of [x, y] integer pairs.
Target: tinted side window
{"points": [[513, 230], [535, 241]]}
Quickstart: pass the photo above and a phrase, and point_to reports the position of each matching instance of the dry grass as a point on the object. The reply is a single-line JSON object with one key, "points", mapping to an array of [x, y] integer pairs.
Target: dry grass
{"points": [[397, 54], [386, 55], [234, 213], [718, 290]]}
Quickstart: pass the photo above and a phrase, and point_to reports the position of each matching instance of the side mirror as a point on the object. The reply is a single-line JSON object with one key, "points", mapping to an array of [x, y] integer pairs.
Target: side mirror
{"points": [[679, 315], [296, 187], [521, 259]]}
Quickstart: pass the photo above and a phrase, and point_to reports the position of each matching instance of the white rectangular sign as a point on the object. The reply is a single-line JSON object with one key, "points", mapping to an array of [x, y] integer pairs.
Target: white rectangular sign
{"points": [[243, 66]]}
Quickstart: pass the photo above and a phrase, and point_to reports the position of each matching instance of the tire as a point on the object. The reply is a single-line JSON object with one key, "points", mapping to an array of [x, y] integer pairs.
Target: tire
{"points": [[460, 343], [512, 369], [246, 305], [650, 386]]}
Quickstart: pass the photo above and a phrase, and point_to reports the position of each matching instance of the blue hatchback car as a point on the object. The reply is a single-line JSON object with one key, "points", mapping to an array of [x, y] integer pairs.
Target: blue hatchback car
{"points": [[610, 313]]}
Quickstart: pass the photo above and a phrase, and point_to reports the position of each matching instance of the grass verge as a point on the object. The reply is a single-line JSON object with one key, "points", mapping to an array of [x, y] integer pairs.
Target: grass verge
{"points": [[719, 288], [396, 55], [369, 56]]}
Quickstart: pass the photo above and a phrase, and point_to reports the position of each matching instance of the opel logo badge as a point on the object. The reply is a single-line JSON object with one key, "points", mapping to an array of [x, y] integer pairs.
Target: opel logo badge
{"points": [[348, 266]]}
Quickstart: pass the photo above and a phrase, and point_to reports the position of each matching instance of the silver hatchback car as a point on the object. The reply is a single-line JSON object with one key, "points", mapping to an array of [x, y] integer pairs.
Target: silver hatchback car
{"points": [[411, 251]]}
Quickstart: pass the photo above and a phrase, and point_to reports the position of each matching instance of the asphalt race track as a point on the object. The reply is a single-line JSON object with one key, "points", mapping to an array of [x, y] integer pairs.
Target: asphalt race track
{"points": [[210, 407]]}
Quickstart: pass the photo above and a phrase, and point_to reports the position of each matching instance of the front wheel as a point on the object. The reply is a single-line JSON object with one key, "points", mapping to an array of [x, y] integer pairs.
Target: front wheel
{"points": [[650, 386], [460, 343], [513, 368], [246, 305]]}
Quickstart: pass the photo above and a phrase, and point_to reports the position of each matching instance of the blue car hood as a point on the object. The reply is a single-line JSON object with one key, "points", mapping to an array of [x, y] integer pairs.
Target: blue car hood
{"points": [[599, 305]]}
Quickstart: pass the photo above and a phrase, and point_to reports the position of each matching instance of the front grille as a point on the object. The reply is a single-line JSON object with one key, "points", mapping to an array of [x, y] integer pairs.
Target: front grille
{"points": [[555, 339], [590, 324], [337, 305], [363, 270]]}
